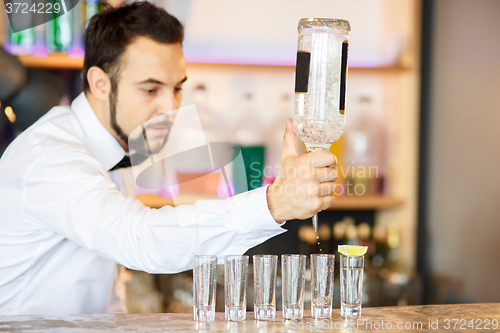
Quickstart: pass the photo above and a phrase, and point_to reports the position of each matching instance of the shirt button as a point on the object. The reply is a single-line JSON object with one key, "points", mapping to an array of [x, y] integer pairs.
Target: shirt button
{"points": [[266, 234]]}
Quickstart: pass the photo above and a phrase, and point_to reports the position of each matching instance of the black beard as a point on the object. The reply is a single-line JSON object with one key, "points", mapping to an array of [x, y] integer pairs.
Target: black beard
{"points": [[113, 95], [139, 148]]}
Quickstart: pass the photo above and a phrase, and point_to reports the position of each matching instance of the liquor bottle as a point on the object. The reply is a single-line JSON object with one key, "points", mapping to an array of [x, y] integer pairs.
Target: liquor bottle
{"points": [[21, 42], [92, 7], [325, 235], [59, 31], [339, 229], [365, 239], [40, 46], [364, 233], [338, 235], [303, 244], [309, 240], [77, 45], [274, 136], [393, 240], [351, 234], [250, 141], [358, 149], [249, 131], [211, 122], [381, 249], [365, 147], [214, 131]]}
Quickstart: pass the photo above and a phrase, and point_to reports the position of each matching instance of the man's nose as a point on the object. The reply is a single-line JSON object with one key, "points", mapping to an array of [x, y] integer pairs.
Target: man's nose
{"points": [[167, 102]]}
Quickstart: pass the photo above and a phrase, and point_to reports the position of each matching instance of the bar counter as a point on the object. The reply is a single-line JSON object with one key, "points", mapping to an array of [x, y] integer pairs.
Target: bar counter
{"points": [[424, 318]]}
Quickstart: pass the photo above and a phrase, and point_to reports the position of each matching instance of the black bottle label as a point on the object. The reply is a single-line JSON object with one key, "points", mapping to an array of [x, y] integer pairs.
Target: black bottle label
{"points": [[302, 71], [343, 76]]}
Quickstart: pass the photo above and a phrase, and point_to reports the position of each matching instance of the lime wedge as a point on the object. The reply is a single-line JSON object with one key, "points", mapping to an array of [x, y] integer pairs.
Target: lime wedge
{"points": [[352, 250]]}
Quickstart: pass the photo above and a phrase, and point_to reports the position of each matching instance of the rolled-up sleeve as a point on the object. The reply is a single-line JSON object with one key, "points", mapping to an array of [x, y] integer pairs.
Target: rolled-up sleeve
{"points": [[71, 194]]}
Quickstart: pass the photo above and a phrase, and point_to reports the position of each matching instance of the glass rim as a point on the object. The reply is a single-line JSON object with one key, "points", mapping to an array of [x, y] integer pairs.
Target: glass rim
{"points": [[205, 256], [265, 256], [323, 23], [352, 259], [294, 255], [235, 256], [322, 255]]}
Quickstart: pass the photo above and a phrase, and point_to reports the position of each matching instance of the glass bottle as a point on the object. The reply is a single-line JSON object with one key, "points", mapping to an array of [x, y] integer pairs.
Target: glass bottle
{"points": [[59, 31], [320, 83], [365, 148]]}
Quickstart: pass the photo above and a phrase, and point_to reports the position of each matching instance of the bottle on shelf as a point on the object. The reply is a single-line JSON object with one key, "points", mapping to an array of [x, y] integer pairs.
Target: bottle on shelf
{"points": [[365, 151], [21, 42], [213, 130], [62, 33], [40, 46], [251, 144], [364, 235], [351, 234], [308, 239], [77, 45], [212, 123], [349, 220], [273, 134], [80, 17], [249, 130], [303, 244], [92, 7], [59, 31], [195, 172], [381, 249], [325, 235], [338, 232], [393, 240]]}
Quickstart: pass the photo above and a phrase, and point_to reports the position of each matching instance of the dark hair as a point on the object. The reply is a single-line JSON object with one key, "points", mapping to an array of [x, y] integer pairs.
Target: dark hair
{"points": [[110, 32]]}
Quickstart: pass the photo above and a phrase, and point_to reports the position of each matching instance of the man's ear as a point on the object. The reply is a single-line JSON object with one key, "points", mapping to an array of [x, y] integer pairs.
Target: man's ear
{"points": [[99, 83]]}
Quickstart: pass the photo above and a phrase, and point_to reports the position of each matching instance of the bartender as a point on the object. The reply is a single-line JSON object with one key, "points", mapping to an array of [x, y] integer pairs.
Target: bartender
{"points": [[68, 212]]}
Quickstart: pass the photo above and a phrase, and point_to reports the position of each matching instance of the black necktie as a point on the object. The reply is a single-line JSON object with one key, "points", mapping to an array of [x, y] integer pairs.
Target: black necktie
{"points": [[124, 163]]}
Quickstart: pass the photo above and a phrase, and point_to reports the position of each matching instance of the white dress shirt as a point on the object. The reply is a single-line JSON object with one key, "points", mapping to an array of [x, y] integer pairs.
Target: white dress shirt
{"points": [[65, 220]]}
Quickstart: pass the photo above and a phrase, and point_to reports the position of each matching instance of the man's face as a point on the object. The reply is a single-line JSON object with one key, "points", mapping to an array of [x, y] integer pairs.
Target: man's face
{"points": [[149, 84]]}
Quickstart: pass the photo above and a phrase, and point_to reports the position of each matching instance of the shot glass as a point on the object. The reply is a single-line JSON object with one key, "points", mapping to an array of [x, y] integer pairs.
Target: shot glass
{"points": [[204, 288], [235, 287], [351, 285], [293, 274], [264, 272], [322, 269]]}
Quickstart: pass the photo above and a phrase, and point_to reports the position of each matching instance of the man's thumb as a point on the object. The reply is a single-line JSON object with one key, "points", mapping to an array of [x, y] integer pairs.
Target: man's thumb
{"points": [[289, 144]]}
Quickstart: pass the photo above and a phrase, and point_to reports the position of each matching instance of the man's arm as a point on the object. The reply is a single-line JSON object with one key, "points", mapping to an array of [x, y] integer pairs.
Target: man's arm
{"points": [[71, 194]]}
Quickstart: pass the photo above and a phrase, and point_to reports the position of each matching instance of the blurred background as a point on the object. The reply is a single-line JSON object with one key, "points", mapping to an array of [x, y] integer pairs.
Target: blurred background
{"points": [[423, 102]]}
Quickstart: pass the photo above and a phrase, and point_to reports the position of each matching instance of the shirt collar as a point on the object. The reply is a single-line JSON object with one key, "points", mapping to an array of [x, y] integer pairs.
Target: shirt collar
{"points": [[104, 146]]}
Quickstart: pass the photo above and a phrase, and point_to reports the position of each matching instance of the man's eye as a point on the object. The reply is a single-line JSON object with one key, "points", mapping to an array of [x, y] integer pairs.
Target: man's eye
{"points": [[177, 89], [150, 91]]}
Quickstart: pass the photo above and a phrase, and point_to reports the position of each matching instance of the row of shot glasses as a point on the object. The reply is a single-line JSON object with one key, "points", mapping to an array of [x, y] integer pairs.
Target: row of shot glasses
{"points": [[293, 267]]}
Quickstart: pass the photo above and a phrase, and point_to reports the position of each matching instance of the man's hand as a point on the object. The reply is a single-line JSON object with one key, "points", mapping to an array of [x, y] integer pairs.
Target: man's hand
{"points": [[304, 183]]}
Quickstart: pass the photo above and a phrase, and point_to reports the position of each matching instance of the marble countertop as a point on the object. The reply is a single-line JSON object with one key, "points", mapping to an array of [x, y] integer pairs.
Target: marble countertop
{"points": [[424, 318]]}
